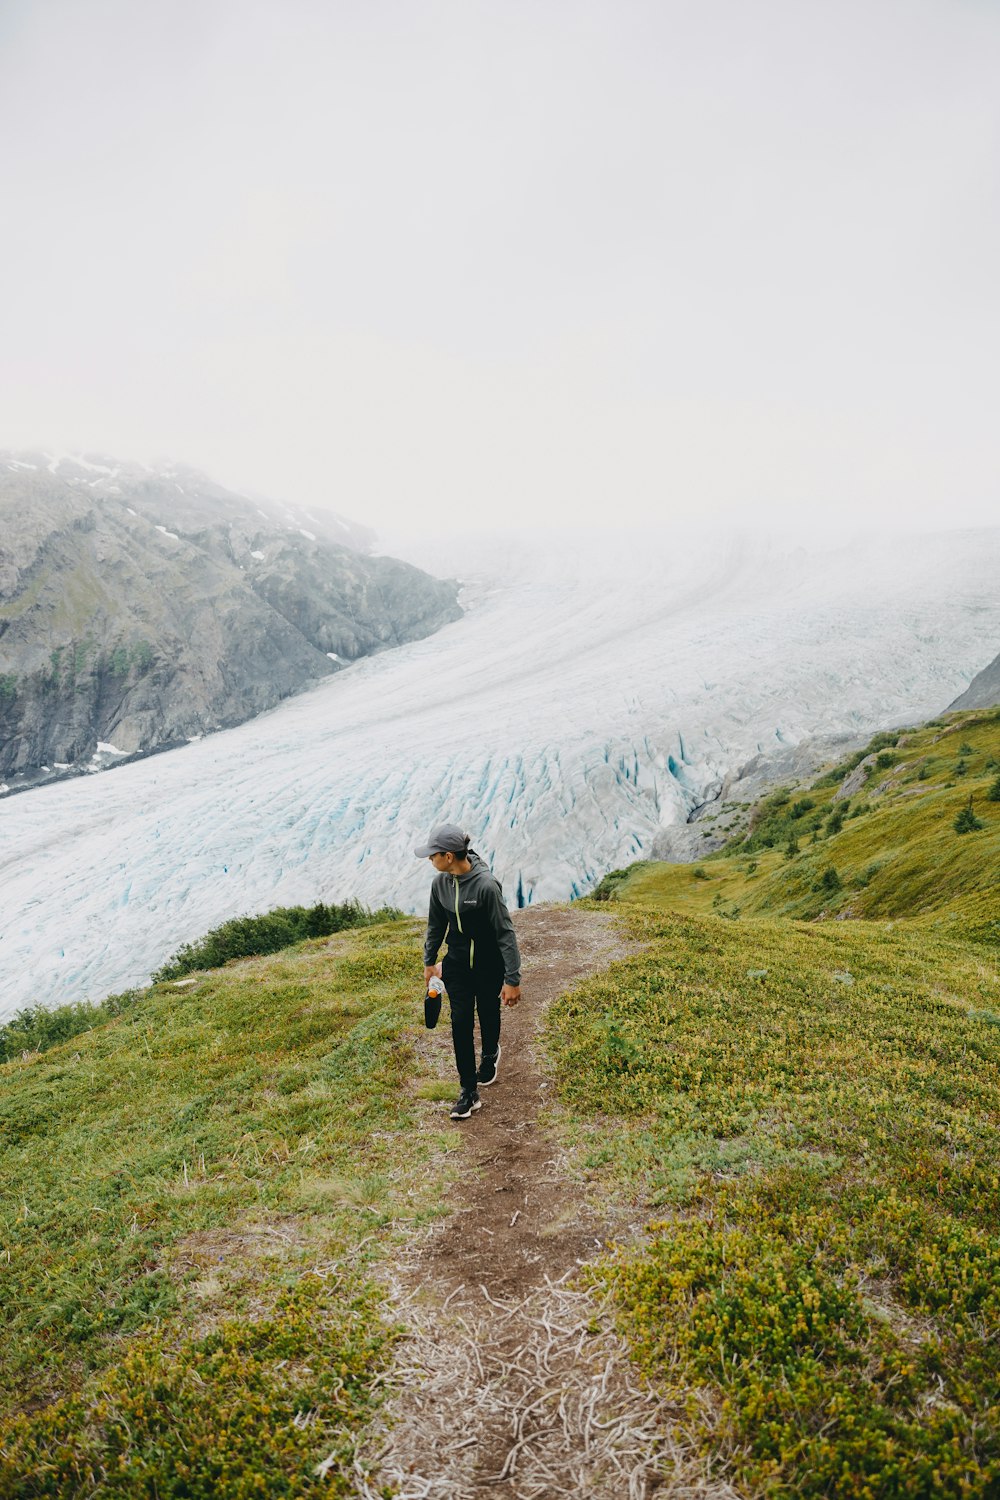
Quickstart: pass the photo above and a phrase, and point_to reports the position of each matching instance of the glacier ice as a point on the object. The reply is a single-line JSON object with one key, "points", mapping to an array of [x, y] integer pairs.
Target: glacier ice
{"points": [[592, 695]]}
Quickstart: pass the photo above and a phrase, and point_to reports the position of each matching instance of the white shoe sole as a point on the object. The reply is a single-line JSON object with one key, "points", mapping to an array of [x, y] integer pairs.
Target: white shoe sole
{"points": [[478, 1105], [484, 1085]]}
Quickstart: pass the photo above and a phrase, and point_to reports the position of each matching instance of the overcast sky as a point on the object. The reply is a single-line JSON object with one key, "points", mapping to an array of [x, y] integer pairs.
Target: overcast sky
{"points": [[465, 263]]}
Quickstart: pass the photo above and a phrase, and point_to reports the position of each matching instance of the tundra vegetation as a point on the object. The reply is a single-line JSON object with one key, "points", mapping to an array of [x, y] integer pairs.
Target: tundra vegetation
{"points": [[809, 1107], [191, 1191], [796, 1079]]}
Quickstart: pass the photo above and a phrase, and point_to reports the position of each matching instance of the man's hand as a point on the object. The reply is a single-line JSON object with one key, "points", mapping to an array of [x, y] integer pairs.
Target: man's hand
{"points": [[510, 994], [431, 971]]}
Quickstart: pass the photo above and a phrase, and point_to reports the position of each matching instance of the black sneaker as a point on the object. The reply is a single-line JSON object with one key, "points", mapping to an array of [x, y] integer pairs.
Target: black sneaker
{"points": [[466, 1104], [488, 1069]]}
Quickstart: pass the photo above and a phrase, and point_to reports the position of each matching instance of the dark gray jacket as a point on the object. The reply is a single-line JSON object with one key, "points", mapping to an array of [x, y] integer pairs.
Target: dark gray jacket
{"points": [[471, 910]]}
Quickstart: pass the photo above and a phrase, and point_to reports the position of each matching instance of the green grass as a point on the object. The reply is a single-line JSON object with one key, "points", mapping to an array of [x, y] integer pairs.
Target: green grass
{"points": [[809, 1111], [896, 855], [190, 1194], [269, 932], [36, 1028], [797, 1078]]}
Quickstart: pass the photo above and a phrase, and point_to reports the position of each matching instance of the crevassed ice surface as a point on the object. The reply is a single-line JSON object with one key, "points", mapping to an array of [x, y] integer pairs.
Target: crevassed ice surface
{"points": [[591, 695]]}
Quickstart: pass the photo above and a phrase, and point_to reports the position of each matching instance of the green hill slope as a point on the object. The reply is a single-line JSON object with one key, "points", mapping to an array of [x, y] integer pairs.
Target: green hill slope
{"points": [[794, 1082], [189, 1196], [809, 1109], [892, 843]]}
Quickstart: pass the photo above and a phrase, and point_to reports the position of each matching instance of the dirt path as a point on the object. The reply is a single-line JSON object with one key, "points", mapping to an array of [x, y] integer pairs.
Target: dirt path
{"points": [[525, 1217], [510, 1382]]}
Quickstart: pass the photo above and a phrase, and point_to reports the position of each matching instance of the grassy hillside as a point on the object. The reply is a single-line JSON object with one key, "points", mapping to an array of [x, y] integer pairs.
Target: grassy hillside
{"points": [[797, 1078], [809, 1110], [190, 1193], [892, 845]]}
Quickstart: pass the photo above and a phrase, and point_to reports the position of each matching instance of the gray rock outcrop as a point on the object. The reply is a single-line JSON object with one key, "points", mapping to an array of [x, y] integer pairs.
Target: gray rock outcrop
{"points": [[983, 691], [140, 609]]}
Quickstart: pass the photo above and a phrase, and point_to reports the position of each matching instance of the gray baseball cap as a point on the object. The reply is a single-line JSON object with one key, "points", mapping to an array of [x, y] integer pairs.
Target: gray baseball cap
{"points": [[445, 838]]}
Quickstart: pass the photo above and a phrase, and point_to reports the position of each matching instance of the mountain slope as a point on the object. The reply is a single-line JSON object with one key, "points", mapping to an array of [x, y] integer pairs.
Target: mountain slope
{"points": [[874, 837], [984, 689], [791, 1124], [805, 1112], [138, 612]]}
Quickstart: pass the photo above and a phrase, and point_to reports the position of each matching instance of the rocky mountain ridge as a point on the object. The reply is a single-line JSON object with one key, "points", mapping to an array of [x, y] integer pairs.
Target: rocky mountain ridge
{"points": [[984, 689], [141, 608]]}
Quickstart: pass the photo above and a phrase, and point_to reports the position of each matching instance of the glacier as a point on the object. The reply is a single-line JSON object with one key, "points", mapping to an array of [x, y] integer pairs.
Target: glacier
{"points": [[595, 692]]}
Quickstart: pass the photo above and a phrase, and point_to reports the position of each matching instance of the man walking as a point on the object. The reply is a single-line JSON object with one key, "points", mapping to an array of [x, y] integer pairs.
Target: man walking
{"points": [[482, 965]]}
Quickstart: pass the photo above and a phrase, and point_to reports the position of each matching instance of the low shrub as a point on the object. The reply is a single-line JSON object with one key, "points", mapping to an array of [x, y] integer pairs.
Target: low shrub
{"points": [[36, 1029], [249, 937], [607, 889]]}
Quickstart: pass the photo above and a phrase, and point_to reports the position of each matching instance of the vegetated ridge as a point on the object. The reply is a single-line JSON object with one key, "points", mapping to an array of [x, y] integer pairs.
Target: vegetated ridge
{"points": [[793, 1083], [140, 609], [802, 1069]]}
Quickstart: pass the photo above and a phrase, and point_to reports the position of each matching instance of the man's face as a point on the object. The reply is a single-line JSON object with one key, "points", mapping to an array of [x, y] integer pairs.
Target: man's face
{"points": [[442, 862]]}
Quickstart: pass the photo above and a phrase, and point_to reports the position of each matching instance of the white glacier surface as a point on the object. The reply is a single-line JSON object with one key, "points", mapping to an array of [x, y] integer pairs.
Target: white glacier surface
{"points": [[589, 697]]}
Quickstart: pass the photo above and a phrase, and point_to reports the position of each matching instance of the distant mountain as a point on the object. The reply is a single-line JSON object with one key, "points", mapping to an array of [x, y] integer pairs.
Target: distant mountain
{"points": [[140, 608], [984, 689]]}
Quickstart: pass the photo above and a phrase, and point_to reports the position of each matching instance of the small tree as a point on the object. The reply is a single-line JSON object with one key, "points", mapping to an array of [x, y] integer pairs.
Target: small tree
{"points": [[966, 822], [792, 847], [993, 795]]}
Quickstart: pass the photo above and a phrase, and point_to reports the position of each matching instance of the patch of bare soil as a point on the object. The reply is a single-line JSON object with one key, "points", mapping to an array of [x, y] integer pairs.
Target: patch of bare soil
{"points": [[511, 1381]]}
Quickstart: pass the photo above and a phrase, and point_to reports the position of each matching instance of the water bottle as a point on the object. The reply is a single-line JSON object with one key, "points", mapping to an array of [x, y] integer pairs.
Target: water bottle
{"points": [[432, 1003]]}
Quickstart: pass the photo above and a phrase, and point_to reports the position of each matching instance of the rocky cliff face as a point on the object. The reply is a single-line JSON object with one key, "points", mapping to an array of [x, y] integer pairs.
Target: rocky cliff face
{"points": [[984, 689], [140, 609]]}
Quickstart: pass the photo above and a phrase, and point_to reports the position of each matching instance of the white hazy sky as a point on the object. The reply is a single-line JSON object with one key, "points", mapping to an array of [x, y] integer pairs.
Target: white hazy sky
{"points": [[458, 262]]}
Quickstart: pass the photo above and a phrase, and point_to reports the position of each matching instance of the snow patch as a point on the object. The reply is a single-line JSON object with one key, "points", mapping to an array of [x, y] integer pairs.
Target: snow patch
{"points": [[333, 656], [103, 748], [17, 463], [310, 534], [131, 511], [168, 533], [258, 555]]}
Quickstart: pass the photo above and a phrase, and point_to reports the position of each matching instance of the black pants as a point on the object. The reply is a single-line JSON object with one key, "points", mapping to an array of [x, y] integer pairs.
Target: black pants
{"points": [[473, 987]]}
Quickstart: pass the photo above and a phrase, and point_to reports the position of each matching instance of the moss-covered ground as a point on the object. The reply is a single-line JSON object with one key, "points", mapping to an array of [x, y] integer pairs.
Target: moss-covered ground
{"points": [[190, 1195], [809, 1109]]}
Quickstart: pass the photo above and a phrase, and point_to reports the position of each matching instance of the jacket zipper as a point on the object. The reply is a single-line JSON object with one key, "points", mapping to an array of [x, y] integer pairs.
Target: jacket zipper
{"points": [[458, 919]]}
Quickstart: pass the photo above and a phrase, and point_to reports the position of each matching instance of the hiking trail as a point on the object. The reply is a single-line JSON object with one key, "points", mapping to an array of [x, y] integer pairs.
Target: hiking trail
{"points": [[511, 1381]]}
